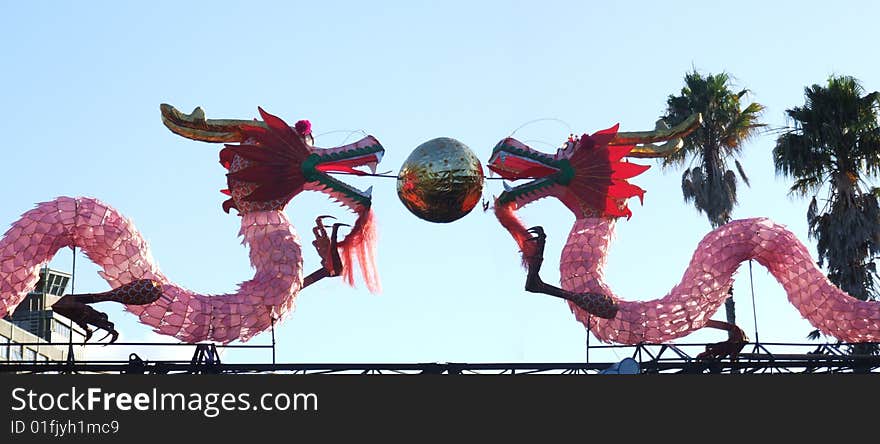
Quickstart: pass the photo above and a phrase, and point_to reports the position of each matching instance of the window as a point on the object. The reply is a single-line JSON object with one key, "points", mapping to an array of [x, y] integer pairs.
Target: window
{"points": [[30, 355], [61, 329], [4, 348], [57, 284], [52, 283], [14, 352]]}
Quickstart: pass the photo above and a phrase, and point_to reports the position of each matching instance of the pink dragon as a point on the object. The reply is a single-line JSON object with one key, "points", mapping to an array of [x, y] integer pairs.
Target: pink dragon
{"points": [[270, 164], [589, 177]]}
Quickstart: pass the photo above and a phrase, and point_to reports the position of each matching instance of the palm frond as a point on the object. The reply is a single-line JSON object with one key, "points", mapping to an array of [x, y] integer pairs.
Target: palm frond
{"points": [[727, 124], [742, 172]]}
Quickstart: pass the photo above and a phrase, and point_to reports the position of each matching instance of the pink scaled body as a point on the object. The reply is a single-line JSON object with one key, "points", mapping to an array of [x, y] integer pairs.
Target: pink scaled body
{"points": [[113, 243], [703, 287]]}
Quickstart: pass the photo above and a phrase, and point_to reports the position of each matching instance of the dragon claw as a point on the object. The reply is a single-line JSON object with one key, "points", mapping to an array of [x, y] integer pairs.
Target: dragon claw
{"points": [[74, 308], [320, 229], [103, 323], [334, 252], [320, 219], [110, 332], [336, 228], [539, 233], [326, 245], [535, 254]]}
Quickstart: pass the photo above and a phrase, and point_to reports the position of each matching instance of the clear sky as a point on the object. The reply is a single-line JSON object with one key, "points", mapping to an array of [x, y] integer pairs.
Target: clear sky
{"points": [[80, 117]]}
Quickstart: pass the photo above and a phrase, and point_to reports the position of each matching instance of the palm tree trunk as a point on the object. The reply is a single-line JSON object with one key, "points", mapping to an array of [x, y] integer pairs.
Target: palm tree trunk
{"points": [[730, 310]]}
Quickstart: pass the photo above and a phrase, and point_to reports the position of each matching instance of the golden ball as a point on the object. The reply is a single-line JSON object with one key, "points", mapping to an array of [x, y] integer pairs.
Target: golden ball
{"points": [[441, 180]]}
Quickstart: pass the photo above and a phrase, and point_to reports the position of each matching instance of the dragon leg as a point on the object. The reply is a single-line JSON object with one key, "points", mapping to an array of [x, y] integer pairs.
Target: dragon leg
{"points": [[734, 344], [596, 304], [75, 306]]}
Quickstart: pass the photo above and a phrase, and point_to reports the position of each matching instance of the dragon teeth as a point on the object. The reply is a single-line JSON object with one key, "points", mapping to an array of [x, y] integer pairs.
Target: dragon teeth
{"points": [[369, 191], [507, 186]]}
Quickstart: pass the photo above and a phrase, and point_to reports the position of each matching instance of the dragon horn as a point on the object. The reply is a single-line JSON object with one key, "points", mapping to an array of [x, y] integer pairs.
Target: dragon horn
{"points": [[196, 127], [672, 136]]}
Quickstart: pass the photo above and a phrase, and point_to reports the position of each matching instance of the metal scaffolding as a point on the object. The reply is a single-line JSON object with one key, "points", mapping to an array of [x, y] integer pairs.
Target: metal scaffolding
{"points": [[646, 358]]}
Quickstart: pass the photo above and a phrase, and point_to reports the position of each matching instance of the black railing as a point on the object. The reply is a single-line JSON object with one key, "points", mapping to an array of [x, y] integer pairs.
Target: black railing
{"points": [[644, 359]]}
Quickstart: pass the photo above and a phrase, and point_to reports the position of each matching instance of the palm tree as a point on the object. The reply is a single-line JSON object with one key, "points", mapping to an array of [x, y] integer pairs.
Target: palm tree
{"points": [[707, 182], [834, 147]]}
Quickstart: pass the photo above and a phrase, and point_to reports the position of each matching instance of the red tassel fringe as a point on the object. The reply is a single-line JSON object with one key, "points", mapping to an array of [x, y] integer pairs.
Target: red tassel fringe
{"points": [[509, 220], [360, 245]]}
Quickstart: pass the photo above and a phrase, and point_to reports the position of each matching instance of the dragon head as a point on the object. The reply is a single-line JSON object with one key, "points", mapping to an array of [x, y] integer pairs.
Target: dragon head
{"points": [[588, 174], [273, 162]]}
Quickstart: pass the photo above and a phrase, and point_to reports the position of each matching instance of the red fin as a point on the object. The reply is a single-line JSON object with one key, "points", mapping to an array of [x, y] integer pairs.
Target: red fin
{"points": [[284, 135], [626, 170], [623, 190], [617, 152], [600, 175], [605, 136]]}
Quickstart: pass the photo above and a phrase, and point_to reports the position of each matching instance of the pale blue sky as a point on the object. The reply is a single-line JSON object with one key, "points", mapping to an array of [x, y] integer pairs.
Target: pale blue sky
{"points": [[83, 82]]}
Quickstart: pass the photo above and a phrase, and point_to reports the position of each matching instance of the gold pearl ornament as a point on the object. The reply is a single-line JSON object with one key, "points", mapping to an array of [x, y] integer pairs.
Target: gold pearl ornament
{"points": [[441, 181]]}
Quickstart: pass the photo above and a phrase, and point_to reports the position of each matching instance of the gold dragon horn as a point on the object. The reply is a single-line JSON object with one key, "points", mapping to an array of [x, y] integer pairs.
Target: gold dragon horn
{"points": [[644, 140], [196, 127]]}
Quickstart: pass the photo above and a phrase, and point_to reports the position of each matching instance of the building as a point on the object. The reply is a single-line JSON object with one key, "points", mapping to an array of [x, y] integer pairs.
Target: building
{"points": [[35, 333]]}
